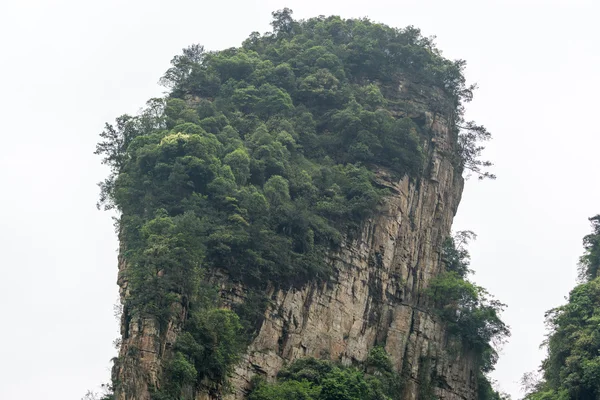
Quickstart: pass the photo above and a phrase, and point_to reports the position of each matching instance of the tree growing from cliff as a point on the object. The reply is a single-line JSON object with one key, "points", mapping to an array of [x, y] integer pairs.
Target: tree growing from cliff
{"points": [[589, 263], [471, 314], [470, 138]]}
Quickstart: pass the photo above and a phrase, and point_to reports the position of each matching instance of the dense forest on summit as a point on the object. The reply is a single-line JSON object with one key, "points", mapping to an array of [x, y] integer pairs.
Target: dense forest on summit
{"points": [[260, 160], [571, 370]]}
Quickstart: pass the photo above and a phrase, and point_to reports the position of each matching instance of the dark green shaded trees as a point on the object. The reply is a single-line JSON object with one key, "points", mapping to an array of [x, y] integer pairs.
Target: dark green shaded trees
{"points": [[571, 371], [470, 313], [589, 263], [311, 379]]}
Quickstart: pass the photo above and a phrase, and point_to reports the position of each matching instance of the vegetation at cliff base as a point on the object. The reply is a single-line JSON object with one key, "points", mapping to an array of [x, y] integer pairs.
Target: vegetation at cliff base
{"points": [[311, 379], [259, 161], [571, 370]]}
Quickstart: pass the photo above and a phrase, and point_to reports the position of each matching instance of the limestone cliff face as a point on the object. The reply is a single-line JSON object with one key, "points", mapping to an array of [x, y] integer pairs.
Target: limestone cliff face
{"points": [[374, 298]]}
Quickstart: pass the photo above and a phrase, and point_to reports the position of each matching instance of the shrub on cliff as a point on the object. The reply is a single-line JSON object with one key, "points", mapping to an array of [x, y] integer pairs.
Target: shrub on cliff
{"points": [[311, 379], [470, 313]]}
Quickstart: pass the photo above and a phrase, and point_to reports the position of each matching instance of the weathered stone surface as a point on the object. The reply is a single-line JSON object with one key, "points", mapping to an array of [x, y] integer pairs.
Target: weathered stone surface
{"points": [[374, 298]]}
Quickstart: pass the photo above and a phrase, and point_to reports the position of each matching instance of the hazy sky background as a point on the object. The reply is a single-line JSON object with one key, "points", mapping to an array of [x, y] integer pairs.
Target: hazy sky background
{"points": [[68, 66]]}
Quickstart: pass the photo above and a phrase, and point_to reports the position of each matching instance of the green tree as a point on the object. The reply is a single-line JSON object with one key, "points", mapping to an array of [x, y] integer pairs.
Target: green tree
{"points": [[589, 263], [282, 21], [239, 161]]}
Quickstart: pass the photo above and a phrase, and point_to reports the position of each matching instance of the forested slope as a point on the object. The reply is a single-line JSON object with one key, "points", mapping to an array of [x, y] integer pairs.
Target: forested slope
{"points": [[571, 370]]}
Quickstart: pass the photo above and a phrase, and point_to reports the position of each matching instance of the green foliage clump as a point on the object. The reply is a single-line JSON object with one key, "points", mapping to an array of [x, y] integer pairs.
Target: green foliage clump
{"points": [[258, 162], [311, 379], [468, 310], [572, 368], [470, 314], [455, 256], [206, 350], [589, 263]]}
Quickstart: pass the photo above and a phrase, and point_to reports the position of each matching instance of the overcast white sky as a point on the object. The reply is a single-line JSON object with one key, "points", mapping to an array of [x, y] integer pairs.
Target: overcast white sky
{"points": [[68, 66]]}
